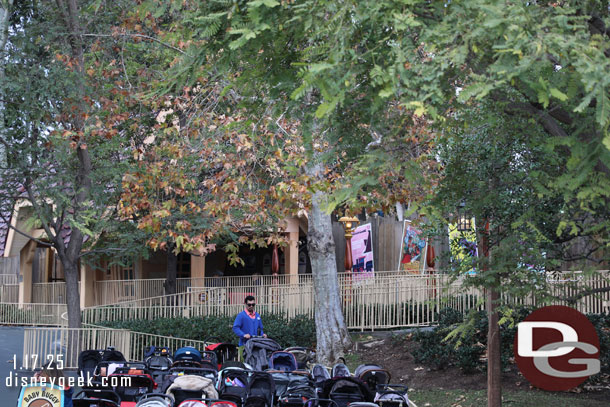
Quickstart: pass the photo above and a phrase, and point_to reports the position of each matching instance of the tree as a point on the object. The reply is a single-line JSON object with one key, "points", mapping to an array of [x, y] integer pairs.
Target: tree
{"points": [[62, 127]]}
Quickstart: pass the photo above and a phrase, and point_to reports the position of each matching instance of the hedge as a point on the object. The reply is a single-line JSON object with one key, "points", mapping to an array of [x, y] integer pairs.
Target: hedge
{"points": [[297, 331]]}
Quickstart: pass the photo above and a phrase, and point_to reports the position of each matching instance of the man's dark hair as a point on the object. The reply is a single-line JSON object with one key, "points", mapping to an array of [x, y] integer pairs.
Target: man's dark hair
{"points": [[249, 298]]}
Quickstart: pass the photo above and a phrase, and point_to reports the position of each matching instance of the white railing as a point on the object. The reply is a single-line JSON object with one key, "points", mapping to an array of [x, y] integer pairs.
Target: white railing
{"points": [[10, 279], [65, 344], [9, 293], [385, 300], [33, 314], [49, 293]]}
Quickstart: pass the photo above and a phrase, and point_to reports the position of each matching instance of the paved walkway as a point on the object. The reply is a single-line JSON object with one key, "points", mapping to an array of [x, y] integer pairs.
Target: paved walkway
{"points": [[11, 343]]}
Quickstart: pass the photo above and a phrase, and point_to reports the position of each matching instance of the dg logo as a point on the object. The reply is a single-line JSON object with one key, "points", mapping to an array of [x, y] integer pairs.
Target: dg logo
{"points": [[556, 348]]}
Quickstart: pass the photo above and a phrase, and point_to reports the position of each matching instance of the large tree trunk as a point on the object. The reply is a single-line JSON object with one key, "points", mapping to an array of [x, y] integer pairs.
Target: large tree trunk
{"points": [[171, 271], [71, 272], [494, 361], [331, 332], [82, 183]]}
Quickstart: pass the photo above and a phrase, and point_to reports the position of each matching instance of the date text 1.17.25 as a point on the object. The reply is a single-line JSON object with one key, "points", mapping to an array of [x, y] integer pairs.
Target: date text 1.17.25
{"points": [[31, 362]]}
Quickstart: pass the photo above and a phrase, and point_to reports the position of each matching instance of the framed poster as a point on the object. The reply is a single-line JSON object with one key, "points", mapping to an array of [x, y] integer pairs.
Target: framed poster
{"points": [[362, 252], [412, 249]]}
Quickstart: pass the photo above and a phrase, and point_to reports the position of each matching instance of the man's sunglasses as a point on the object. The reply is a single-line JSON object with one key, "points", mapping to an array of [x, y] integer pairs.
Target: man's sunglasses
{"points": [[251, 305]]}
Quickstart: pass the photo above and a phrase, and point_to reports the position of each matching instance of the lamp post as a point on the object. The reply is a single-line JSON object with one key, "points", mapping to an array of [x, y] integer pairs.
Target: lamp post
{"points": [[349, 224]]}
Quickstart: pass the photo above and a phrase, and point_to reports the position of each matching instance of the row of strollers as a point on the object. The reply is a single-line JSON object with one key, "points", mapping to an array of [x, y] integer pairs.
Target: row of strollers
{"points": [[268, 377]]}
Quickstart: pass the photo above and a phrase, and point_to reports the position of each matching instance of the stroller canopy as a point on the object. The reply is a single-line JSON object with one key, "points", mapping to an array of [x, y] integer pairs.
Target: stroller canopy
{"points": [[258, 350], [340, 370], [372, 375], [345, 390], [284, 361], [187, 353], [320, 375], [155, 400]]}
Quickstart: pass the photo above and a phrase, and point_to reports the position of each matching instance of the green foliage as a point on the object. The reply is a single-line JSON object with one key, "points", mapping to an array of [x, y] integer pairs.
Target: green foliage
{"points": [[297, 331], [464, 349]]}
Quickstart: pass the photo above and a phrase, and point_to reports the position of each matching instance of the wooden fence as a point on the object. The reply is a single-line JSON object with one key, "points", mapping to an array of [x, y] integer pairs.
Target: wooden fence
{"points": [[63, 345]]}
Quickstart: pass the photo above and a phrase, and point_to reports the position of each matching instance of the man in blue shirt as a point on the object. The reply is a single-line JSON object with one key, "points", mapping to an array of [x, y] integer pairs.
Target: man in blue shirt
{"points": [[248, 322]]}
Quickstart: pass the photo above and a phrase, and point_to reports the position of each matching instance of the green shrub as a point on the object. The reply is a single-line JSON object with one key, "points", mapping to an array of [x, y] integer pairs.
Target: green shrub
{"points": [[297, 331], [434, 351]]}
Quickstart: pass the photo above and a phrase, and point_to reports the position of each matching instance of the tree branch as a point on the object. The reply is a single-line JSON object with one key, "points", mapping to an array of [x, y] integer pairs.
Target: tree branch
{"points": [[147, 37], [549, 124], [572, 300]]}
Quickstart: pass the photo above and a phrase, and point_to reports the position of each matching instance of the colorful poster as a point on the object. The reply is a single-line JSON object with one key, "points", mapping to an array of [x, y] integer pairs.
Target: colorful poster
{"points": [[41, 396], [362, 251], [463, 246], [412, 249]]}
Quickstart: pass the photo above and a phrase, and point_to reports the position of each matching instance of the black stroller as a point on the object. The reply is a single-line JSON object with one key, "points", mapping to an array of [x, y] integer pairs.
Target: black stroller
{"points": [[372, 375], [225, 352], [297, 392], [232, 385], [392, 395], [158, 361], [346, 390], [89, 360], [135, 380], [96, 398], [260, 391]]}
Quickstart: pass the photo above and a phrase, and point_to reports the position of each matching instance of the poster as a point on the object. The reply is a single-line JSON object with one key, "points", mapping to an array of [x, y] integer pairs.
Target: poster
{"points": [[463, 246], [36, 395], [412, 249], [362, 252]]}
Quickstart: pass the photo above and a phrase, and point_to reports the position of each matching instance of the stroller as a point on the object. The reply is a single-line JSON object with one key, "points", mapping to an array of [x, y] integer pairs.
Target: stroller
{"points": [[206, 403], [96, 398], [392, 395], [187, 357], [206, 372], [340, 370], [155, 400], [283, 361], [88, 360], [191, 387], [297, 392], [158, 361], [260, 391], [372, 375], [232, 385], [224, 352], [139, 379], [304, 356], [346, 390], [319, 374], [258, 350]]}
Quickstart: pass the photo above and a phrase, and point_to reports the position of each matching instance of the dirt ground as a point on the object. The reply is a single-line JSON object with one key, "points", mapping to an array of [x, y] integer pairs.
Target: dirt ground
{"points": [[395, 356]]}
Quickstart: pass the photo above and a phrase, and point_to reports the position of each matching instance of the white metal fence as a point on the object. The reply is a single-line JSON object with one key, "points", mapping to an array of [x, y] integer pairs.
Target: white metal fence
{"points": [[33, 314], [383, 300], [64, 345]]}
